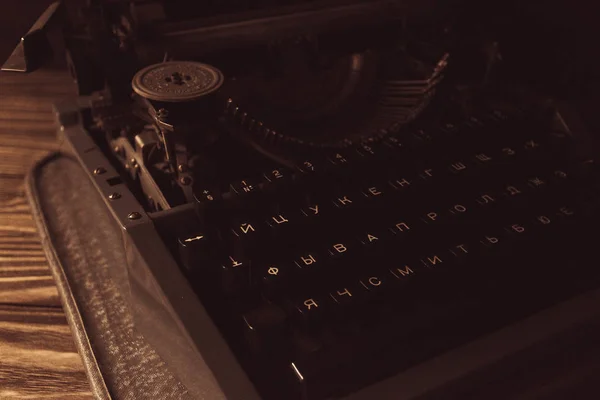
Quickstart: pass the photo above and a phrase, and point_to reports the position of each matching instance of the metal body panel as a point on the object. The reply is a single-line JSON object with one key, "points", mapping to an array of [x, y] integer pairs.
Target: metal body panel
{"points": [[197, 352]]}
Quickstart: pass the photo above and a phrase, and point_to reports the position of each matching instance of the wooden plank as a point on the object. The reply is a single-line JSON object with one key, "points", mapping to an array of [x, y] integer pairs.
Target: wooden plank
{"points": [[38, 358], [37, 355], [15, 160], [24, 274], [11, 186], [15, 215]]}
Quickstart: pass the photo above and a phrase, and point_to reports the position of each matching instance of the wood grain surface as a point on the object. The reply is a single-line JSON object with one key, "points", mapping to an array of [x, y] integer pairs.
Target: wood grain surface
{"points": [[38, 359]]}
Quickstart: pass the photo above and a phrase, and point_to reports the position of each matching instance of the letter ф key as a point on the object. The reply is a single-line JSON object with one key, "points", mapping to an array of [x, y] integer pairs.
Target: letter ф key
{"points": [[274, 278]]}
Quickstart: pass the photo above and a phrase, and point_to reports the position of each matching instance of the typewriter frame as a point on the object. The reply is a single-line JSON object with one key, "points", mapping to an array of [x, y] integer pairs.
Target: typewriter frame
{"points": [[171, 317]]}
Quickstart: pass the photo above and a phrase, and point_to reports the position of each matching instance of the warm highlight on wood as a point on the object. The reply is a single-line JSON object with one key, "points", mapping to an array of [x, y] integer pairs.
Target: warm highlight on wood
{"points": [[38, 359]]}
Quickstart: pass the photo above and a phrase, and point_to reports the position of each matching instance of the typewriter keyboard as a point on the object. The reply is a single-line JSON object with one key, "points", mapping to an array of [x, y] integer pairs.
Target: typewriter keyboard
{"points": [[363, 261]]}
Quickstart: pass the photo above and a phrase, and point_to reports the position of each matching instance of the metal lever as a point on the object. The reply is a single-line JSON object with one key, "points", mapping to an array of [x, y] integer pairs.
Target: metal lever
{"points": [[34, 46]]}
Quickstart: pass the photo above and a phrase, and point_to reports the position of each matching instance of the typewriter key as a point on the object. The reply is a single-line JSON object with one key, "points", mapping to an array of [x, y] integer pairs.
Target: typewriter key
{"points": [[177, 81]]}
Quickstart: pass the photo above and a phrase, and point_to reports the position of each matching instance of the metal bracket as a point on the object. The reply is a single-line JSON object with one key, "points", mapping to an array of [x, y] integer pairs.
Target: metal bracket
{"points": [[137, 165], [34, 46]]}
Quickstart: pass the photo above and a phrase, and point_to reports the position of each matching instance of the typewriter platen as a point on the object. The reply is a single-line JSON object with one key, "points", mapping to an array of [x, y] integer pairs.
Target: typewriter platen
{"points": [[351, 188]]}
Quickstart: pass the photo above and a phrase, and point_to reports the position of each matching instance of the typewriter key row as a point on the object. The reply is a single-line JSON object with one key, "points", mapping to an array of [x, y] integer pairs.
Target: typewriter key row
{"points": [[291, 246]]}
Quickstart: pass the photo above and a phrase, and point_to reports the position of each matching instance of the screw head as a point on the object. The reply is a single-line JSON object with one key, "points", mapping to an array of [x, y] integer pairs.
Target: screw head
{"points": [[182, 168], [117, 149], [99, 171], [185, 180], [134, 164], [114, 196], [134, 215], [163, 114]]}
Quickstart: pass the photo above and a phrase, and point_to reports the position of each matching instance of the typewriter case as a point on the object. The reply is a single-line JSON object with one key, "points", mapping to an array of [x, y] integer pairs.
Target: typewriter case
{"points": [[165, 308]]}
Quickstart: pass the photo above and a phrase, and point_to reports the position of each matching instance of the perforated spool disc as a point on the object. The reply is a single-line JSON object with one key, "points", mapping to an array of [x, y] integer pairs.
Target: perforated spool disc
{"points": [[177, 81]]}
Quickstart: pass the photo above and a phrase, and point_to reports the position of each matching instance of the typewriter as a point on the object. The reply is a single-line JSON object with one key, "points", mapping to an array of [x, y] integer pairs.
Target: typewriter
{"points": [[331, 193]]}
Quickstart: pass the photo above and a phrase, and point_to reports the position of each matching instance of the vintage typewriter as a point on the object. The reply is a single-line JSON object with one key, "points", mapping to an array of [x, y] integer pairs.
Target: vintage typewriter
{"points": [[348, 189]]}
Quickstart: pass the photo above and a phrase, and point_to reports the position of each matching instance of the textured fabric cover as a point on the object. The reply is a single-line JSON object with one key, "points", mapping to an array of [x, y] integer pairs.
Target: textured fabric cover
{"points": [[85, 251]]}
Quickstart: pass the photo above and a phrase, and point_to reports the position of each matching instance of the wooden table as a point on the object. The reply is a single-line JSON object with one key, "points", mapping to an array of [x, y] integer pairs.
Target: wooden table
{"points": [[38, 359]]}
